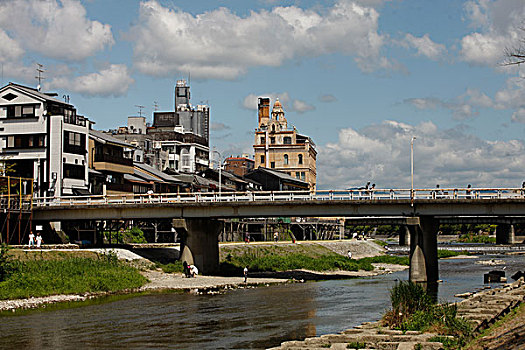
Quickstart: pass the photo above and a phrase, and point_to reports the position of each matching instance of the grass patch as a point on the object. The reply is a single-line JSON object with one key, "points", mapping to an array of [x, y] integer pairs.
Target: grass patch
{"points": [[356, 345], [38, 278], [277, 258], [387, 259], [133, 235], [473, 238], [175, 267], [413, 309], [443, 253], [380, 242]]}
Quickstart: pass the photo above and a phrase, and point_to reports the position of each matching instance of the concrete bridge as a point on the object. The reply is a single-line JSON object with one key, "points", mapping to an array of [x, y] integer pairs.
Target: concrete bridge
{"points": [[419, 210]]}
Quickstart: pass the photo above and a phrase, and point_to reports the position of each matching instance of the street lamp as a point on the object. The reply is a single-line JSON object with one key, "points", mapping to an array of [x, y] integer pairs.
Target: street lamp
{"points": [[220, 172], [412, 169]]}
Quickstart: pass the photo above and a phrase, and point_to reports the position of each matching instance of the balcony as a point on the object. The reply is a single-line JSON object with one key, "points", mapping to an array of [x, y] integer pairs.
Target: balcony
{"points": [[115, 187], [107, 158], [108, 163]]}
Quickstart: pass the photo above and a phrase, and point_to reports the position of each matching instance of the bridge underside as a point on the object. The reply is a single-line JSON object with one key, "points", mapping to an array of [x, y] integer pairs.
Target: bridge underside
{"points": [[420, 220]]}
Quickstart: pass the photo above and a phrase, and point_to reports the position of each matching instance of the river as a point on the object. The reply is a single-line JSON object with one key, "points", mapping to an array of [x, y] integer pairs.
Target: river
{"points": [[238, 319]]}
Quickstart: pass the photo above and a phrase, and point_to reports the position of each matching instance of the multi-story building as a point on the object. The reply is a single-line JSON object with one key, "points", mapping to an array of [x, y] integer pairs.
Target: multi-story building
{"points": [[108, 165], [183, 133], [239, 166], [281, 148], [43, 138], [135, 133]]}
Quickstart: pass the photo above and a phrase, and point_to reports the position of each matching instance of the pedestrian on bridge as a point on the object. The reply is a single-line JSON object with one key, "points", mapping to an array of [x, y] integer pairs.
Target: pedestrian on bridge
{"points": [[39, 240], [31, 240]]}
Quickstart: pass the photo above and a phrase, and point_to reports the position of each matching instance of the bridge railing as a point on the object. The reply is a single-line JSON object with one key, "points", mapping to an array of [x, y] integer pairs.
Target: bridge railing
{"points": [[321, 195]]}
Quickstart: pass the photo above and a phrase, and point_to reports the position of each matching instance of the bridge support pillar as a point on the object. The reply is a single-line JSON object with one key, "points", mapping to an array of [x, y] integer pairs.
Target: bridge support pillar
{"points": [[505, 234], [404, 235], [200, 244], [423, 251]]}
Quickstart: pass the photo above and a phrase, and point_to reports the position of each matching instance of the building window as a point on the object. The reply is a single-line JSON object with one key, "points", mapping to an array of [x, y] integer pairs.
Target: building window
{"points": [[73, 171], [287, 140], [286, 159], [272, 140], [273, 128], [263, 140], [302, 175], [262, 159], [300, 159], [74, 142], [272, 165], [21, 111], [25, 141]]}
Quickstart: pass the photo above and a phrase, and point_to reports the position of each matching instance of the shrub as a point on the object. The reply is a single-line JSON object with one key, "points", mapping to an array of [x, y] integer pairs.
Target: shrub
{"points": [[6, 264]]}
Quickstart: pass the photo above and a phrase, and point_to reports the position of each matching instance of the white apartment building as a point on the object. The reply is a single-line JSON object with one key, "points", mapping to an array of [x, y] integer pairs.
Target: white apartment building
{"points": [[43, 138]]}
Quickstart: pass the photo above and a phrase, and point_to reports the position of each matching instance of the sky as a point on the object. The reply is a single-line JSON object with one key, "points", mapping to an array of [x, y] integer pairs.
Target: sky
{"points": [[360, 77]]}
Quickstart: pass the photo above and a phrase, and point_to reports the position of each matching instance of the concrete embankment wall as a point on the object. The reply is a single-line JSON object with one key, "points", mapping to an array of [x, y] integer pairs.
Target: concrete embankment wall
{"points": [[482, 309]]}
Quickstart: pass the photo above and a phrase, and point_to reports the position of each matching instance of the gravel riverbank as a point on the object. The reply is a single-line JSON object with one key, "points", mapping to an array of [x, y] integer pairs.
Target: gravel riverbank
{"points": [[159, 281]]}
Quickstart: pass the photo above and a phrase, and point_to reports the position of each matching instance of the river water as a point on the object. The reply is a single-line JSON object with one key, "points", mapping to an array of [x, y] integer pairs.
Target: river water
{"points": [[238, 319]]}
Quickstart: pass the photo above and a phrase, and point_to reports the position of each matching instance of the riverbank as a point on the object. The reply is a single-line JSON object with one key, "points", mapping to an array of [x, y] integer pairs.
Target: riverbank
{"points": [[482, 309]]}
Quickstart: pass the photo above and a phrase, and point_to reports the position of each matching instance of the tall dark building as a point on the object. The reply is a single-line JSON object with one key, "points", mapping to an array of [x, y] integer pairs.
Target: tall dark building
{"points": [[184, 132]]}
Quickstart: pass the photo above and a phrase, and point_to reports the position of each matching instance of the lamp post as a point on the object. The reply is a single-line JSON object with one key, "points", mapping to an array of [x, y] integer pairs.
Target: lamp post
{"points": [[412, 169], [220, 172]]}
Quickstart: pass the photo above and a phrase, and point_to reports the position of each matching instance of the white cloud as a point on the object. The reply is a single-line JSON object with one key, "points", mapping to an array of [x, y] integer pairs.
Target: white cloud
{"points": [[301, 106], [499, 24], [380, 153], [425, 46], [250, 101], [327, 98], [55, 29], [463, 107], [111, 81], [291, 105], [10, 50], [519, 116], [219, 127], [220, 44]]}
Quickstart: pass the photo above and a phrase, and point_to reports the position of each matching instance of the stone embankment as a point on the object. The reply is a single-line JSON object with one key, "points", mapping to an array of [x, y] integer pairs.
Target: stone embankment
{"points": [[482, 309]]}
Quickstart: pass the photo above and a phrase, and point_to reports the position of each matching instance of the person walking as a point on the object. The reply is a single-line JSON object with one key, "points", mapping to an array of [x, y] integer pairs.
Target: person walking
{"points": [[245, 274], [31, 240], [39, 240], [276, 236]]}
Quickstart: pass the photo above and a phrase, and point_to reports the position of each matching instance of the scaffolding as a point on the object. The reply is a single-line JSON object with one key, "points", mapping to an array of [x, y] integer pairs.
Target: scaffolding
{"points": [[16, 209]]}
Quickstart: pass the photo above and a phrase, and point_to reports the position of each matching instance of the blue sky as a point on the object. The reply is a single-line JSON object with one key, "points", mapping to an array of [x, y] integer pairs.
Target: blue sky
{"points": [[359, 77]]}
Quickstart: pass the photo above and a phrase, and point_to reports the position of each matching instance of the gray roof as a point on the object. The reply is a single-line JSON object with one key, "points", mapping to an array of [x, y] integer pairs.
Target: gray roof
{"points": [[282, 175], [130, 177], [144, 169], [105, 138], [36, 93]]}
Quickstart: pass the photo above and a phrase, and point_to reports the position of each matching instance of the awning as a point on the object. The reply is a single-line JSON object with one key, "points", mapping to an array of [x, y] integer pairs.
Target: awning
{"points": [[81, 192]]}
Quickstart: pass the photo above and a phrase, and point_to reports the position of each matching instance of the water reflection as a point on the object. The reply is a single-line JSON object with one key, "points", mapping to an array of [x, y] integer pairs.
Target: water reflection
{"points": [[239, 319]]}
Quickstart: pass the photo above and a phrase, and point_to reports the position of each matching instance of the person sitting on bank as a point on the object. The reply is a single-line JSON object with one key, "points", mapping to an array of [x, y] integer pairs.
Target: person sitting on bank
{"points": [[186, 269], [349, 255], [194, 271]]}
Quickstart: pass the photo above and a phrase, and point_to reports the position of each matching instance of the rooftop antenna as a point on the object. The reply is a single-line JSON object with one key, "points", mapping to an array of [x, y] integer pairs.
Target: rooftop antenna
{"points": [[140, 109], [155, 105], [40, 70]]}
